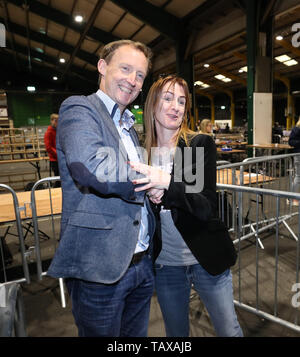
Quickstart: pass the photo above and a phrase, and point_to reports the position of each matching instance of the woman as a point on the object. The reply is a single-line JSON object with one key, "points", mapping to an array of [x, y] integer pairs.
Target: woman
{"points": [[294, 140], [206, 127], [182, 217]]}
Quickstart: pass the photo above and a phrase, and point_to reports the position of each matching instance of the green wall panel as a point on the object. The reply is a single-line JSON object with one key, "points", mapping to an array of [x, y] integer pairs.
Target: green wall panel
{"points": [[29, 109]]}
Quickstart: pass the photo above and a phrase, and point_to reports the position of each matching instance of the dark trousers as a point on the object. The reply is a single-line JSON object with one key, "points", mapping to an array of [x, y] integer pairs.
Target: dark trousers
{"points": [[114, 310], [55, 170]]}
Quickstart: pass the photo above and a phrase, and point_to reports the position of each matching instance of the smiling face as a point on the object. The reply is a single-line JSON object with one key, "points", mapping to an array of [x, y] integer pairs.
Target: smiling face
{"points": [[171, 108], [123, 77]]}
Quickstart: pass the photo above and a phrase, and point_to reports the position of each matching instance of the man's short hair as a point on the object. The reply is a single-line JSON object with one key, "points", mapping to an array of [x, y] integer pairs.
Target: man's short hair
{"points": [[53, 116], [109, 49]]}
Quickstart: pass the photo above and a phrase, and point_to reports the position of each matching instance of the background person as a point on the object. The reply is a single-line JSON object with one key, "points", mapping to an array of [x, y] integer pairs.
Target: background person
{"points": [[294, 140], [206, 127], [106, 227], [185, 257], [50, 143]]}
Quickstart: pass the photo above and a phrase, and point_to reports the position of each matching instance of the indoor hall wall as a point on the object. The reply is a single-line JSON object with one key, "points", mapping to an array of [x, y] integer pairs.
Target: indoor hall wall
{"points": [[27, 109]]}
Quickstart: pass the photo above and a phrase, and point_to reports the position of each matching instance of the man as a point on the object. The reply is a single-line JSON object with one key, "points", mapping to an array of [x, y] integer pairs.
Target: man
{"points": [[50, 143], [106, 227]]}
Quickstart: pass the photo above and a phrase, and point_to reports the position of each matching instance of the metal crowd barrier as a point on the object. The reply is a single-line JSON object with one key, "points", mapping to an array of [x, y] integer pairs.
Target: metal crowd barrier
{"points": [[35, 218], [18, 220], [272, 172], [265, 280], [12, 320]]}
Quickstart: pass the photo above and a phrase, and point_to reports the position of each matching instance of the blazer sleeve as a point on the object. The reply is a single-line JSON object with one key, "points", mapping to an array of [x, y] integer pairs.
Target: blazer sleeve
{"points": [[200, 204], [91, 155]]}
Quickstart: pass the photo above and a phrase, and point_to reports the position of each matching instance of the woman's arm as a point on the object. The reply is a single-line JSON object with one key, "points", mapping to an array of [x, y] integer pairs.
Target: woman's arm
{"points": [[179, 192]]}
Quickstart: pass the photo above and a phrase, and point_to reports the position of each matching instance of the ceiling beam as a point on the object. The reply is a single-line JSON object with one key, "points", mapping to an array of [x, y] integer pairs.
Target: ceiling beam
{"points": [[268, 11], [88, 25], [227, 74], [66, 29], [26, 8], [277, 75], [289, 47], [199, 17], [51, 42], [164, 22], [40, 77], [53, 61], [63, 19], [211, 84]]}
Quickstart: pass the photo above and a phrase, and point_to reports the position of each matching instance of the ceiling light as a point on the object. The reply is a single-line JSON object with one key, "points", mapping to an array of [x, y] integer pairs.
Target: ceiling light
{"points": [[39, 50], [201, 84], [37, 59], [62, 60], [243, 69], [30, 88], [283, 58], [279, 38], [220, 76], [55, 78], [206, 65], [78, 18], [223, 107], [291, 62]]}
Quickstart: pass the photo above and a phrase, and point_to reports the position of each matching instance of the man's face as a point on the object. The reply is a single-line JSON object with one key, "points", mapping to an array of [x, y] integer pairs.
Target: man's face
{"points": [[54, 122], [123, 77]]}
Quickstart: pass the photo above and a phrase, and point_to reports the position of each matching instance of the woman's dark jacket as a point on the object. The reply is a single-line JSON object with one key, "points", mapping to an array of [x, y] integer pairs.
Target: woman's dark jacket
{"points": [[294, 139], [194, 213]]}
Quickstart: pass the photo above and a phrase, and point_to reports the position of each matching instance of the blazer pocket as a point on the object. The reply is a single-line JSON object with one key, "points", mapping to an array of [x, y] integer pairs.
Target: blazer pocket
{"points": [[91, 220]]}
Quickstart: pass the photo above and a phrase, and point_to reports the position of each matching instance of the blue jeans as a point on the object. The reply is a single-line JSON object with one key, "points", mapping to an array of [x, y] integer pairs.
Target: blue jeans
{"points": [[173, 287], [114, 310]]}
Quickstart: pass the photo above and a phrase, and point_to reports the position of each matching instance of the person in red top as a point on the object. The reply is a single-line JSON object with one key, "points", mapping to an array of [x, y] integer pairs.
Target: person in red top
{"points": [[50, 143]]}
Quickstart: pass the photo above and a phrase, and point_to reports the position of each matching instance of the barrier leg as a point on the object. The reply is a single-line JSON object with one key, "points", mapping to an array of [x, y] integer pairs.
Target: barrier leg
{"points": [[62, 292]]}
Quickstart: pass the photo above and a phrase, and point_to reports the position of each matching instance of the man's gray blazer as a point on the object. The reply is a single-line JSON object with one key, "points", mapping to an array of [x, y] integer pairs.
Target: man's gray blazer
{"points": [[101, 213]]}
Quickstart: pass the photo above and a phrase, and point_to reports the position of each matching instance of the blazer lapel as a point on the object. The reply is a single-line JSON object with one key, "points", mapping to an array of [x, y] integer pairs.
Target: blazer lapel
{"points": [[104, 114]]}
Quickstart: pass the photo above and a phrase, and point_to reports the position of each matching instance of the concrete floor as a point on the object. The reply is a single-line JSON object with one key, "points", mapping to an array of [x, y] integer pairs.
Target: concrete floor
{"points": [[46, 318]]}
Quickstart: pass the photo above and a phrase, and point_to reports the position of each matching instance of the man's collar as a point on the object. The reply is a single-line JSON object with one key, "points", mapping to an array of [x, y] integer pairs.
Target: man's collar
{"points": [[127, 117]]}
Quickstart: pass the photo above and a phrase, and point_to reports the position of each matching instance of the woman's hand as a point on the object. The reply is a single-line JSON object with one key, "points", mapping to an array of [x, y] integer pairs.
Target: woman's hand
{"points": [[155, 195], [155, 177]]}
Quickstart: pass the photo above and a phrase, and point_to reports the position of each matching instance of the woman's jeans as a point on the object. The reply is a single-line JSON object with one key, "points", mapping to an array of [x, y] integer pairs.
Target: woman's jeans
{"points": [[173, 287], [114, 310]]}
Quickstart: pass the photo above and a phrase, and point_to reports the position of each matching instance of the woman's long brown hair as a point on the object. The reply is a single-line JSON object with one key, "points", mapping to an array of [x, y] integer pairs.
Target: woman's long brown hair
{"points": [[151, 106]]}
